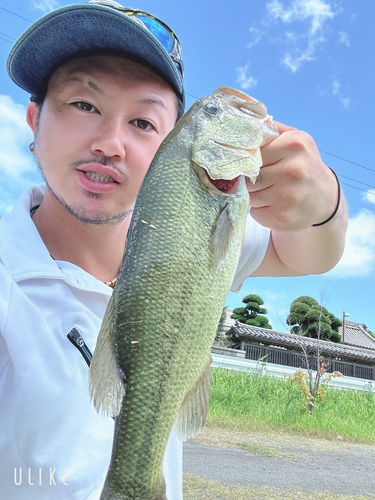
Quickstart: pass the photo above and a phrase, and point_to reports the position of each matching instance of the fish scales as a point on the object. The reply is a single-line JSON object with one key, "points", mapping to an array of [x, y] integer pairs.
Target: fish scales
{"points": [[162, 317]]}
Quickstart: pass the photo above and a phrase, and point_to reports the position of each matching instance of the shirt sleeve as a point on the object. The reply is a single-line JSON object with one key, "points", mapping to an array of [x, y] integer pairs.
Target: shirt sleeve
{"points": [[253, 251], [6, 286]]}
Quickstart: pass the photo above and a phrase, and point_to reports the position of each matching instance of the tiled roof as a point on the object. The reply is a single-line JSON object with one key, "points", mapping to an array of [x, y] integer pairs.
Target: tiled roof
{"points": [[356, 334], [297, 342]]}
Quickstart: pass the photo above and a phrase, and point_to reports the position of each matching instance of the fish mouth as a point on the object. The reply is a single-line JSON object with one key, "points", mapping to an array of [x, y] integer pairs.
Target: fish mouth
{"points": [[224, 185], [227, 185]]}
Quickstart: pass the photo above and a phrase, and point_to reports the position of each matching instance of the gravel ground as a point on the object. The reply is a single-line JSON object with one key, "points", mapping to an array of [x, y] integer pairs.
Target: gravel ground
{"points": [[304, 464]]}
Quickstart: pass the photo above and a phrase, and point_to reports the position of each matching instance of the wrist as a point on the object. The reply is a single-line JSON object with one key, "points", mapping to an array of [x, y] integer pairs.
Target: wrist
{"points": [[337, 204]]}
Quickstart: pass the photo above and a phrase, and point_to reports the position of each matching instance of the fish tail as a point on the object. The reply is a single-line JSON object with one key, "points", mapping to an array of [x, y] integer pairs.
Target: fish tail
{"points": [[109, 494]]}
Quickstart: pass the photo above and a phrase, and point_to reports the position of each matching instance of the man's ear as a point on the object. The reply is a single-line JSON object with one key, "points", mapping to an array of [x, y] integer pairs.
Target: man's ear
{"points": [[32, 115]]}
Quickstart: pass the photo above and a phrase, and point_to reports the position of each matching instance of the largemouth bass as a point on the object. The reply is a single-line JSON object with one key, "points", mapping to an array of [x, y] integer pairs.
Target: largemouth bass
{"points": [[181, 254]]}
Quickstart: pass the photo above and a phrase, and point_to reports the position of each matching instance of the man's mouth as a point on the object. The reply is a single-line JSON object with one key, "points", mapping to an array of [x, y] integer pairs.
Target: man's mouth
{"points": [[95, 176]]}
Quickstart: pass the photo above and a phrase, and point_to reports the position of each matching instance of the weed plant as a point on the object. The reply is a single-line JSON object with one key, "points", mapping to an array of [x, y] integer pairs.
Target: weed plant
{"points": [[242, 400], [204, 489]]}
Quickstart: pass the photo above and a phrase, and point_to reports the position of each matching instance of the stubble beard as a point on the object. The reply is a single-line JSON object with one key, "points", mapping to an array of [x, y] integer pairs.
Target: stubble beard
{"points": [[80, 214]]}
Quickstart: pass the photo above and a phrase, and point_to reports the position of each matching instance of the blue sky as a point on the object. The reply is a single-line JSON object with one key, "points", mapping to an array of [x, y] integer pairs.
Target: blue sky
{"points": [[310, 61]]}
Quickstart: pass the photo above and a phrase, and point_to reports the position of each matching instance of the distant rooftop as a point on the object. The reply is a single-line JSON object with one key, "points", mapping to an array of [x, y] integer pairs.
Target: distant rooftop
{"points": [[356, 334], [247, 333]]}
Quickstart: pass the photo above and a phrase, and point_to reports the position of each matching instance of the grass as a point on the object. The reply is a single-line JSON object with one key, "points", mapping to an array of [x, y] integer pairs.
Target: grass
{"points": [[197, 488], [268, 416], [248, 401]]}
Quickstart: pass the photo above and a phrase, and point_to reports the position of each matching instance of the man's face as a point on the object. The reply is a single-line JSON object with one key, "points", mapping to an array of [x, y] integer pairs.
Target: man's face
{"points": [[100, 125]]}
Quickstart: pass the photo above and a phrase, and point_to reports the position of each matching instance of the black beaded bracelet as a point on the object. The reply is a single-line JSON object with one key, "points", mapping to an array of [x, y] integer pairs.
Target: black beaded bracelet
{"points": [[338, 201]]}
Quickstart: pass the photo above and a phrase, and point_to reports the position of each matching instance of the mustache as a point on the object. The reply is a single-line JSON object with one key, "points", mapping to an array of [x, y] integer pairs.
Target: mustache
{"points": [[101, 161]]}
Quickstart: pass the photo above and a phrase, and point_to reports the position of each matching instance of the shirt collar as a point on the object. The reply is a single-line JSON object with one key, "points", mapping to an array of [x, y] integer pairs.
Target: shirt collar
{"points": [[24, 254]]}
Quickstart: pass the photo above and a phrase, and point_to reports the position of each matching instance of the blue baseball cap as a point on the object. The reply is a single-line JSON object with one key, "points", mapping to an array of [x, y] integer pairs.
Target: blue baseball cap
{"points": [[100, 27]]}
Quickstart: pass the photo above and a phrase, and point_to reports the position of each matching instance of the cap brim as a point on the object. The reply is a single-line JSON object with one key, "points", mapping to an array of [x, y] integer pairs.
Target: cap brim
{"points": [[77, 29]]}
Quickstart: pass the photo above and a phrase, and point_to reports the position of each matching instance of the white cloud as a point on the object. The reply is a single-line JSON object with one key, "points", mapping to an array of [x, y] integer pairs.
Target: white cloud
{"points": [[44, 5], [15, 135], [292, 37], [17, 167], [334, 89], [246, 82], [271, 297], [293, 62], [369, 196], [344, 38], [345, 101], [316, 13], [358, 259], [257, 36]]}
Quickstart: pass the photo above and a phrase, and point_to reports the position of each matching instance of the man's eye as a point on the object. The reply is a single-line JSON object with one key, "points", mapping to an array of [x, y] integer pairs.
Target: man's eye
{"points": [[85, 106], [143, 124]]}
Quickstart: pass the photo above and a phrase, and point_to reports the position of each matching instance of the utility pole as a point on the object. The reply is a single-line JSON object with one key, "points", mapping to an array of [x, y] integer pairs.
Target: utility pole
{"points": [[344, 315]]}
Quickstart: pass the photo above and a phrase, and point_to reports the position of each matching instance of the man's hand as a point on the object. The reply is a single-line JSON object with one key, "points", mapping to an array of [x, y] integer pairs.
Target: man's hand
{"points": [[294, 189]]}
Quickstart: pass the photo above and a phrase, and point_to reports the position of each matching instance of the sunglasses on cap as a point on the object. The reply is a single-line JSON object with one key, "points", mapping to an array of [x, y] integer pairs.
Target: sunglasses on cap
{"points": [[161, 31]]}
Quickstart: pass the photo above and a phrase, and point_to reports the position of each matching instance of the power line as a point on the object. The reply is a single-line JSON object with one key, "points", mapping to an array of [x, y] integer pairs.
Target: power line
{"points": [[354, 187], [355, 180], [7, 36], [6, 39], [344, 159], [360, 206], [10, 12]]}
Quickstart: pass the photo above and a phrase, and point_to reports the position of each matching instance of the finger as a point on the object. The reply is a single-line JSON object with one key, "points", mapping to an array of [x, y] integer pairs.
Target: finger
{"points": [[289, 143], [263, 193], [264, 180], [276, 150], [281, 127]]}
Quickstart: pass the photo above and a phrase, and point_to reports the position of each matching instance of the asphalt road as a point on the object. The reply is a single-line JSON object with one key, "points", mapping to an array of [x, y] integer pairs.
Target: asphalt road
{"points": [[346, 471]]}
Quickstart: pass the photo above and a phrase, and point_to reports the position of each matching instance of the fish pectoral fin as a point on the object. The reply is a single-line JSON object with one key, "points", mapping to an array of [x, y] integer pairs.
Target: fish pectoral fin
{"points": [[222, 236], [106, 383], [194, 408]]}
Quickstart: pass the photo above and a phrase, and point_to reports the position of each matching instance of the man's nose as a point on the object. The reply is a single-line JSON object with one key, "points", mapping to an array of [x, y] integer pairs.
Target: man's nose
{"points": [[110, 140]]}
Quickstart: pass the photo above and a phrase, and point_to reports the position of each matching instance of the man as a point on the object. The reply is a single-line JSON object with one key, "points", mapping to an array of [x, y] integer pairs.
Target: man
{"points": [[107, 87]]}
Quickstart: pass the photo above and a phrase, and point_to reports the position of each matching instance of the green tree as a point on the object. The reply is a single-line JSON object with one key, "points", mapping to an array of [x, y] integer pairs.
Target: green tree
{"points": [[311, 319], [307, 317], [252, 313]]}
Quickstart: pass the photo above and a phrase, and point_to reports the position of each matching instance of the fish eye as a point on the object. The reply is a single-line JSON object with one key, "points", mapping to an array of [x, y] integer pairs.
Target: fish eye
{"points": [[210, 108]]}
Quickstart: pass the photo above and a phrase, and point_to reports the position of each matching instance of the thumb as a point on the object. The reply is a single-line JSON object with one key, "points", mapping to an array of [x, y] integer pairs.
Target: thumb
{"points": [[283, 128]]}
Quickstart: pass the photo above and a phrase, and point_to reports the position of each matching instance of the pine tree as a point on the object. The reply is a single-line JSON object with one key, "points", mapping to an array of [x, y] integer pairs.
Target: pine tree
{"points": [[307, 317], [252, 313]]}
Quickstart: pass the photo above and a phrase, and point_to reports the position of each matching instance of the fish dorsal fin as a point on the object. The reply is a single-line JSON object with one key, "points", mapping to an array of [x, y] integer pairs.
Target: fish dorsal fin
{"points": [[222, 236], [106, 384], [194, 408]]}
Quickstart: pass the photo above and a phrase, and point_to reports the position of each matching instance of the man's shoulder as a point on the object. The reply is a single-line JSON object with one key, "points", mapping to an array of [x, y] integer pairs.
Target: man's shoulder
{"points": [[19, 238], [20, 213]]}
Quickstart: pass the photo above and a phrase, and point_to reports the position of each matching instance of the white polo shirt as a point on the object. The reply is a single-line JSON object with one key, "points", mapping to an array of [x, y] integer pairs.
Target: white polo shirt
{"points": [[53, 444]]}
